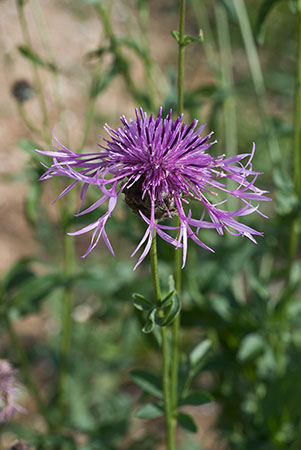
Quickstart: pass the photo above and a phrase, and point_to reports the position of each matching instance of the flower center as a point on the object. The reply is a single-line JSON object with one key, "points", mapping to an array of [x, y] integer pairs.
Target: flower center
{"points": [[163, 209]]}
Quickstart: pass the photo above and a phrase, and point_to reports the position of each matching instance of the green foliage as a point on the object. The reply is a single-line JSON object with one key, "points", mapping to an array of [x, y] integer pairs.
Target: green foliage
{"points": [[196, 398], [29, 54], [148, 382], [162, 314], [187, 422], [188, 39], [264, 11], [150, 411]]}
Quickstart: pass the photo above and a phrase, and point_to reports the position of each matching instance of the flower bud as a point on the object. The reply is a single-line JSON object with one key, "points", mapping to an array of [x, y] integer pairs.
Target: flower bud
{"points": [[22, 90]]}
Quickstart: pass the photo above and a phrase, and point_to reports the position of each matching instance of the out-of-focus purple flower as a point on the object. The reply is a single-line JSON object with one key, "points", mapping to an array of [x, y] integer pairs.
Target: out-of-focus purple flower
{"points": [[8, 391], [161, 165]]}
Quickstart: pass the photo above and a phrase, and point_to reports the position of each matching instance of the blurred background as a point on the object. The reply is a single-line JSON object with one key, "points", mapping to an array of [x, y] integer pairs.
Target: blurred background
{"points": [[68, 325]]}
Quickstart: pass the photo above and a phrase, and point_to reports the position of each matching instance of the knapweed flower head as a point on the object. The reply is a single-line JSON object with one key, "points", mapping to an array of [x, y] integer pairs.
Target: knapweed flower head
{"points": [[161, 166], [8, 391]]}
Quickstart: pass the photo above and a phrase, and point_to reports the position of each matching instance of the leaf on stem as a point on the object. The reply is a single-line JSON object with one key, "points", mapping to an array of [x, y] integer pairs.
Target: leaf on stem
{"points": [[150, 411], [264, 10], [167, 312], [101, 81], [188, 38], [251, 345], [26, 299], [198, 354], [196, 398], [35, 58], [187, 422], [29, 147], [149, 382], [141, 303], [150, 322], [32, 202]]}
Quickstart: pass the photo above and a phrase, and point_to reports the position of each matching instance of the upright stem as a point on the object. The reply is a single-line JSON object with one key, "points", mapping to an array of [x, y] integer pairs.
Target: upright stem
{"points": [[178, 252], [170, 441]]}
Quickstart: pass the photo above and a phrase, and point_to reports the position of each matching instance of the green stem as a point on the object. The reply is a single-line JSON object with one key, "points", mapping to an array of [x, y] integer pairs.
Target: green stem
{"points": [[170, 435], [170, 438], [25, 369], [257, 75]]}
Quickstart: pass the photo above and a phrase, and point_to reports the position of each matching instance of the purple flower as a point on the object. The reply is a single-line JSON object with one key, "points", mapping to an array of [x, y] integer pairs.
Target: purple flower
{"points": [[160, 166], [8, 390]]}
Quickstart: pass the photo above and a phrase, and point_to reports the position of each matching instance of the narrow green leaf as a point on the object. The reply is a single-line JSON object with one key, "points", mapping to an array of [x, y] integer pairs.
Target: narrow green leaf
{"points": [[141, 303], [17, 275], [199, 352], [176, 35], [27, 299], [188, 38], [264, 11], [150, 322], [134, 45], [187, 422], [293, 6], [32, 202], [149, 382], [165, 315], [196, 398], [97, 53], [171, 283], [150, 411], [91, 2], [251, 345], [167, 301], [35, 58], [29, 147], [101, 81]]}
